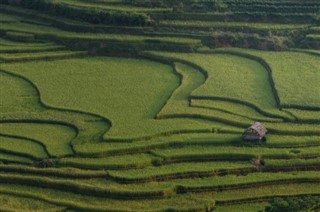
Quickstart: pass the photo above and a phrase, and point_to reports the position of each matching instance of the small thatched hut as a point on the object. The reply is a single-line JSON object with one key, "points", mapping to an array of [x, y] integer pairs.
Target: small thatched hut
{"points": [[255, 132]]}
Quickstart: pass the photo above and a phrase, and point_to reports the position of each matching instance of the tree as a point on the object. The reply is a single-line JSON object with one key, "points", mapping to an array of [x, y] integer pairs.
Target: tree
{"points": [[293, 204]]}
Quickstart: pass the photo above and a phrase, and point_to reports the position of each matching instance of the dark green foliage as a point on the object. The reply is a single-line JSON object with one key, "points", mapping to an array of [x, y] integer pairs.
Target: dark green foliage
{"points": [[46, 163], [19, 36], [293, 204], [183, 5], [243, 40], [94, 16], [257, 7]]}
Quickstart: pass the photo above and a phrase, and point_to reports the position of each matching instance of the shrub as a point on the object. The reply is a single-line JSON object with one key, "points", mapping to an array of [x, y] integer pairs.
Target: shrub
{"points": [[293, 204], [46, 163]]}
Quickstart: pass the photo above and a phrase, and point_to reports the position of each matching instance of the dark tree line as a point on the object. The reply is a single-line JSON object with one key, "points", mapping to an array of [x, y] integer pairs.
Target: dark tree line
{"points": [[94, 16]]}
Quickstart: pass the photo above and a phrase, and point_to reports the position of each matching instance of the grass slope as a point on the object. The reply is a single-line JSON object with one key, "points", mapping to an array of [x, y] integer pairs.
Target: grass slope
{"points": [[56, 138], [113, 99], [160, 131], [229, 74]]}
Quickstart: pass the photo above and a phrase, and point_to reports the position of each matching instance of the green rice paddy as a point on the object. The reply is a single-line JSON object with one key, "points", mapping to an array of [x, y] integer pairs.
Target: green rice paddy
{"points": [[96, 115]]}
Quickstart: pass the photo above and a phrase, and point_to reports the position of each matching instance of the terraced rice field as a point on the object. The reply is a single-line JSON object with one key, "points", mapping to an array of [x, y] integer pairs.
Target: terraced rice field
{"points": [[112, 105]]}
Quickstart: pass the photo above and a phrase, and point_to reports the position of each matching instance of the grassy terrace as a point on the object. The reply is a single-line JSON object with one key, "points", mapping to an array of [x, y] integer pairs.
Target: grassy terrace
{"points": [[55, 138], [230, 25], [219, 68], [201, 153], [229, 71], [43, 55], [230, 107], [141, 71], [24, 107], [10, 49], [285, 76], [133, 106], [10, 158], [7, 47], [15, 87], [242, 207], [213, 183], [180, 140], [192, 79], [292, 74], [12, 202], [168, 186], [22, 147], [116, 162], [311, 116], [67, 24], [15, 44], [72, 200], [293, 141], [107, 5], [309, 51], [47, 32], [115, 40], [7, 19], [313, 37]]}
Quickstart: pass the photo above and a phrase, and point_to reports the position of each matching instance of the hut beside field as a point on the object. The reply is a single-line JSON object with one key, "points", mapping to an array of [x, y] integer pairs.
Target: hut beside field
{"points": [[255, 132]]}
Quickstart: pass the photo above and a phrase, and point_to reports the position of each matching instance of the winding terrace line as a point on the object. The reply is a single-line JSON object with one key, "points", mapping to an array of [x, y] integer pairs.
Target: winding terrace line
{"points": [[29, 140], [171, 62], [107, 123]]}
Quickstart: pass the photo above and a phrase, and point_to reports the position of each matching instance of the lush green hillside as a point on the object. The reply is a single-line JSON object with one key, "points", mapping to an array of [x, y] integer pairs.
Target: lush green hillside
{"points": [[140, 105]]}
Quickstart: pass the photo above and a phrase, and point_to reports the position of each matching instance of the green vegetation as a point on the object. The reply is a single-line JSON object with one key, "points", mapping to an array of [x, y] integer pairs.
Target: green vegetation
{"points": [[22, 147], [305, 115], [116, 162], [202, 153], [80, 202], [240, 73], [259, 93], [107, 6], [190, 80], [244, 207], [232, 25], [16, 44], [13, 202], [147, 100], [83, 12], [233, 108], [15, 90], [292, 141], [16, 57], [287, 77], [178, 170], [7, 19], [130, 105], [190, 182], [178, 139], [50, 32], [296, 163], [268, 191], [305, 203], [56, 138], [9, 158], [20, 49]]}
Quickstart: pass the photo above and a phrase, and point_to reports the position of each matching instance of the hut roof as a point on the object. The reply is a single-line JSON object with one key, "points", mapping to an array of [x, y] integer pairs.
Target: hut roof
{"points": [[259, 128]]}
